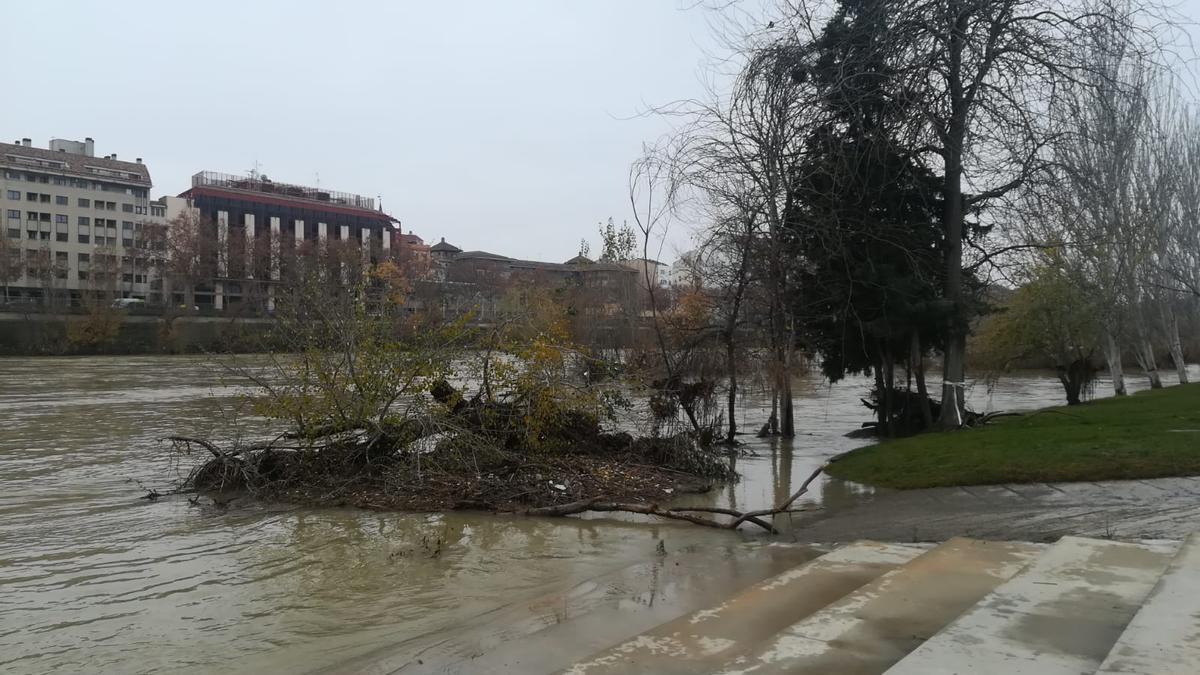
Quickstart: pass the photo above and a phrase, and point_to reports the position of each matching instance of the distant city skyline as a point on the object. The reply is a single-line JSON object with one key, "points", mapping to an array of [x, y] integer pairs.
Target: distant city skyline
{"points": [[507, 127]]}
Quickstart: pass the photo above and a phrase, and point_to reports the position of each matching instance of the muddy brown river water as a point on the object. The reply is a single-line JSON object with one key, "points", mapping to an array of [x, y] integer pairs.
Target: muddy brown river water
{"points": [[95, 579]]}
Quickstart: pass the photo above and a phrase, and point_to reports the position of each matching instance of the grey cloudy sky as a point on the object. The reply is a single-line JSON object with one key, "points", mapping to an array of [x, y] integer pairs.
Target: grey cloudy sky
{"points": [[503, 126], [498, 125]]}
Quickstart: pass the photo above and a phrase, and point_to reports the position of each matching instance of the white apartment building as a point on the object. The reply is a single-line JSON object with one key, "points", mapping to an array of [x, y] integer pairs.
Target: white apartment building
{"points": [[76, 225]]}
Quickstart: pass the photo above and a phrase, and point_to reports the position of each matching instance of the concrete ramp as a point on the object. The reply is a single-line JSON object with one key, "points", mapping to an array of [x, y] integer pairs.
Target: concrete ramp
{"points": [[703, 640], [964, 607], [877, 625], [1164, 636], [1061, 614]]}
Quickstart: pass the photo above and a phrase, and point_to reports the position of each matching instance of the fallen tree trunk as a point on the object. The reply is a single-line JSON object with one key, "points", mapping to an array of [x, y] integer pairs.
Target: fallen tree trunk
{"points": [[680, 512]]}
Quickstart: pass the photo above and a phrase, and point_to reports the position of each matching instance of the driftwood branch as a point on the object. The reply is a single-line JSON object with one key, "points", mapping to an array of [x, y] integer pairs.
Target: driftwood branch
{"points": [[216, 452], [680, 512], [781, 507]]}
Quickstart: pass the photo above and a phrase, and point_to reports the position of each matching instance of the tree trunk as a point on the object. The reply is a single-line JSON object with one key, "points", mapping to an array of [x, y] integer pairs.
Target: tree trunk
{"points": [[1174, 345], [881, 426], [889, 386], [787, 426], [1144, 353], [954, 358], [1071, 377], [772, 426], [731, 364], [917, 358], [1112, 355]]}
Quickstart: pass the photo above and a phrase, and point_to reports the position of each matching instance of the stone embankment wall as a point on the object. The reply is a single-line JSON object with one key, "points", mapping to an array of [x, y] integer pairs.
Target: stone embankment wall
{"points": [[49, 335]]}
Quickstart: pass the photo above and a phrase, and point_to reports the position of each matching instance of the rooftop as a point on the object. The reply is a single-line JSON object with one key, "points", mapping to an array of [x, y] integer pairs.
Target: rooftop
{"points": [[276, 190], [445, 247], [24, 155]]}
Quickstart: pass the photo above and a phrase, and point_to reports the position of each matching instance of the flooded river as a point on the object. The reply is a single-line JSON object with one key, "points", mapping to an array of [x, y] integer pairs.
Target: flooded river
{"points": [[94, 578]]}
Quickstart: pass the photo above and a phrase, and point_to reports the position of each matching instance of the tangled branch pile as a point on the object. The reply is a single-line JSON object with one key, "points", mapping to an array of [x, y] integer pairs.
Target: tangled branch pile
{"points": [[385, 414]]}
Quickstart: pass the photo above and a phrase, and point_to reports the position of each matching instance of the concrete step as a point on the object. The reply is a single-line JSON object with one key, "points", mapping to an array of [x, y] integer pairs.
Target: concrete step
{"points": [[703, 640], [872, 628], [548, 633], [1164, 636], [1061, 614]]}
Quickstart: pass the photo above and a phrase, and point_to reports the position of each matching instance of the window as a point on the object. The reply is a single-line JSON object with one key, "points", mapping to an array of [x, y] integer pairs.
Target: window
{"points": [[44, 217], [84, 203], [140, 210], [60, 219], [84, 258], [111, 206], [14, 233], [31, 215], [14, 213], [44, 236], [99, 205], [62, 236], [84, 221], [84, 238], [61, 200], [31, 196], [127, 278], [14, 194], [126, 225], [127, 243], [127, 208], [82, 274], [45, 198]]}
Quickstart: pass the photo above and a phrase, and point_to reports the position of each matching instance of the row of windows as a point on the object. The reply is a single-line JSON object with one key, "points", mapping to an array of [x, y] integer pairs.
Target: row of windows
{"points": [[83, 236], [75, 183], [35, 216], [83, 260], [81, 203]]}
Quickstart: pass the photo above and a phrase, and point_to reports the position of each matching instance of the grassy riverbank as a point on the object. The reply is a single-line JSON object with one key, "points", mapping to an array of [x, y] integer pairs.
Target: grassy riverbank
{"points": [[1148, 435]]}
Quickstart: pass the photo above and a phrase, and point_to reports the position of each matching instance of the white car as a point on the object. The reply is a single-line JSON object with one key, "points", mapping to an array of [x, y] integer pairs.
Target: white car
{"points": [[126, 303]]}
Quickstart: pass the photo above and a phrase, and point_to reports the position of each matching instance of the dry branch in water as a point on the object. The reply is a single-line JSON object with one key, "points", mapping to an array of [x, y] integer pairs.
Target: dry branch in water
{"points": [[681, 512]]}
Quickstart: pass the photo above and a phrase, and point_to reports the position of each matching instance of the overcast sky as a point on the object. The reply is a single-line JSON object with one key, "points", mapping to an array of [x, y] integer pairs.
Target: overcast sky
{"points": [[506, 126], [503, 126]]}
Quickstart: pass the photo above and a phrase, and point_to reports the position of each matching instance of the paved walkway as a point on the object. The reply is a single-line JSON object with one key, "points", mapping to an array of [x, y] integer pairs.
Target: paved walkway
{"points": [[1163, 508]]}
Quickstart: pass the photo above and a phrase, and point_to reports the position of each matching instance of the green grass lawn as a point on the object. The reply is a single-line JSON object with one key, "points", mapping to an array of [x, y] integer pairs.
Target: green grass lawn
{"points": [[1148, 435]]}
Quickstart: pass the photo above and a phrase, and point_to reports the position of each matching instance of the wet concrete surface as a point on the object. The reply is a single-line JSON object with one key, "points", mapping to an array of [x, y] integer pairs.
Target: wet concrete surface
{"points": [[1163, 508]]}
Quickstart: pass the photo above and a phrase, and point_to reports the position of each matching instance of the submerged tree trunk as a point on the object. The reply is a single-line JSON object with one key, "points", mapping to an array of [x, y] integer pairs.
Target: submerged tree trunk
{"points": [[917, 358], [889, 386], [787, 425], [1112, 356], [731, 364], [1074, 377], [1174, 345], [881, 425], [1144, 353]]}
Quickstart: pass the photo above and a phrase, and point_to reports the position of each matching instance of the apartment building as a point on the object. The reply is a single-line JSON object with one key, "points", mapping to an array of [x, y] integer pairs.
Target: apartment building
{"points": [[77, 225], [259, 226]]}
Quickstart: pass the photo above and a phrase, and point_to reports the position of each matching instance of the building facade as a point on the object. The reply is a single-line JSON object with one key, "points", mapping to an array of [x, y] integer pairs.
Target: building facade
{"points": [[259, 226], [76, 225]]}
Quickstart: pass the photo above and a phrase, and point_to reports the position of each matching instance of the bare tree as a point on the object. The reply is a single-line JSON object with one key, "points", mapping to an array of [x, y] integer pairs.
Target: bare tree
{"points": [[1114, 191], [191, 254]]}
